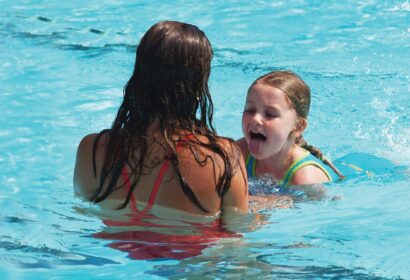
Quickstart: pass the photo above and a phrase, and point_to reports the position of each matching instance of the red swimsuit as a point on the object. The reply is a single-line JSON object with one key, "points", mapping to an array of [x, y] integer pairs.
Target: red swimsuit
{"points": [[146, 244]]}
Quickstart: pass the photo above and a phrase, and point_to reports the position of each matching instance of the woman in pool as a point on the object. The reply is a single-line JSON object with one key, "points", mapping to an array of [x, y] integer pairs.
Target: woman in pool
{"points": [[273, 122], [161, 155]]}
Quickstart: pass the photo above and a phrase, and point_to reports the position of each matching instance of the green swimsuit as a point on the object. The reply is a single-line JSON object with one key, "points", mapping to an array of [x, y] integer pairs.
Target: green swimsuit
{"points": [[304, 160]]}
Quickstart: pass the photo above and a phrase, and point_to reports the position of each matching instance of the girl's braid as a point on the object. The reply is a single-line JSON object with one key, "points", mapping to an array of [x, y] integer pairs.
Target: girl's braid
{"points": [[318, 153]]}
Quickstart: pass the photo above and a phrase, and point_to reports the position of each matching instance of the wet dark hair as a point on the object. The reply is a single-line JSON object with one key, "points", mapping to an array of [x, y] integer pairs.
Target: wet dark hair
{"points": [[297, 92], [169, 87]]}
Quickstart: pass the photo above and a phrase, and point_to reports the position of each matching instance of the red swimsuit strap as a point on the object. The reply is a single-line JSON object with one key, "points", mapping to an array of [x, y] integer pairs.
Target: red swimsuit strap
{"points": [[126, 179], [157, 183]]}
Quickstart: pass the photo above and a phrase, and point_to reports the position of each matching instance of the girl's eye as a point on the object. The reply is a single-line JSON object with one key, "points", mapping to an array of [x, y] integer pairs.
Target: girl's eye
{"points": [[271, 115], [249, 111]]}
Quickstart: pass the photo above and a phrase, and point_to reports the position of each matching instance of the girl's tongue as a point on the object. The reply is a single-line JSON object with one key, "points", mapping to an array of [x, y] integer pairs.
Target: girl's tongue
{"points": [[255, 143]]}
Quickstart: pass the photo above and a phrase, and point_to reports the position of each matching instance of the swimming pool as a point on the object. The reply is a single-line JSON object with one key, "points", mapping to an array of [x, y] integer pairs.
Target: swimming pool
{"points": [[62, 72]]}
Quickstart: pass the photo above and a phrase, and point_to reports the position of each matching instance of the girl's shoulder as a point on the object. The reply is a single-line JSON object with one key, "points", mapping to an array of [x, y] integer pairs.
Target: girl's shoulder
{"points": [[309, 174], [310, 171]]}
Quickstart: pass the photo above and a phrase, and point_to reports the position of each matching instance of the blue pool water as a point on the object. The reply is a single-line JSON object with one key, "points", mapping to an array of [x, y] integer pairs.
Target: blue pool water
{"points": [[62, 68]]}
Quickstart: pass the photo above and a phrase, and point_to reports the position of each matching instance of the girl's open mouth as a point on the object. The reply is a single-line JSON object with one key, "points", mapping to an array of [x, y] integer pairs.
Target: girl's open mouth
{"points": [[257, 136], [256, 142]]}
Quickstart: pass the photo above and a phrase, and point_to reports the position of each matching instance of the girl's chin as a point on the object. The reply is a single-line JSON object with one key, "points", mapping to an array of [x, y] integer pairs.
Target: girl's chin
{"points": [[259, 155], [262, 154]]}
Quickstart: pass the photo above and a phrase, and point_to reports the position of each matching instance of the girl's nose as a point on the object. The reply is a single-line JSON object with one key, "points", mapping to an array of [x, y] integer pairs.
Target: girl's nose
{"points": [[257, 118]]}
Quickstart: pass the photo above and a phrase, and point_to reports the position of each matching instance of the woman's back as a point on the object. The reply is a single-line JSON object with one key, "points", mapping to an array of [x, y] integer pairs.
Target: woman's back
{"points": [[162, 150], [158, 179], [162, 157]]}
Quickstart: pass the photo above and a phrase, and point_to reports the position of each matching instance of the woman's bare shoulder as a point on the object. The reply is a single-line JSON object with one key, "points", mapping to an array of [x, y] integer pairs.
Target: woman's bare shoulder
{"points": [[86, 147], [230, 147], [243, 146], [228, 144], [237, 196], [86, 142], [204, 171], [224, 143], [204, 162], [85, 178]]}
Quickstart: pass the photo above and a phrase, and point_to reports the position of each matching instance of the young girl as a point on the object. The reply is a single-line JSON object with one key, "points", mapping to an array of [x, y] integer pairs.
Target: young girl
{"points": [[273, 121]]}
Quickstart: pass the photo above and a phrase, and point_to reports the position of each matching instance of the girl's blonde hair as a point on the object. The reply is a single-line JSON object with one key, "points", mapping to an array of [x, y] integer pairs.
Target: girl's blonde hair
{"points": [[297, 92]]}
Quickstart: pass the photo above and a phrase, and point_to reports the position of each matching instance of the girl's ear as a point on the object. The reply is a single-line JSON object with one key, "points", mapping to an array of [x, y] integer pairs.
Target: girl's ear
{"points": [[301, 124]]}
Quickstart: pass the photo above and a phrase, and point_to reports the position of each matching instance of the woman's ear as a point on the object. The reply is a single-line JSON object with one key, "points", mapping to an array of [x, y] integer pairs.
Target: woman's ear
{"points": [[301, 124]]}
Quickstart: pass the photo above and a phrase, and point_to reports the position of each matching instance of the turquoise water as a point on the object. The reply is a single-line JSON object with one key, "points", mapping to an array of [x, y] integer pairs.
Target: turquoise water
{"points": [[63, 66]]}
